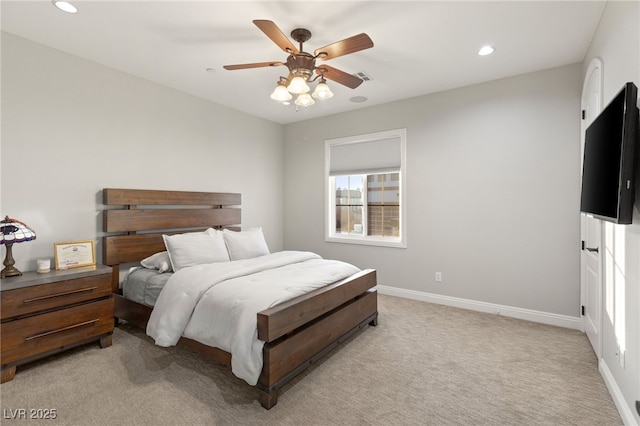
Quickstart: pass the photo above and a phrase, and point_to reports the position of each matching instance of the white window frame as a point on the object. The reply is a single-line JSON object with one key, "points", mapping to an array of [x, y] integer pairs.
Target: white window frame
{"points": [[330, 193]]}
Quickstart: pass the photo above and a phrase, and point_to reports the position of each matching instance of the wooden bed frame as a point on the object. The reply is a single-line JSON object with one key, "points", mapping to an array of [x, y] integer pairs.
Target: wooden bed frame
{"points": [[296, 333]]}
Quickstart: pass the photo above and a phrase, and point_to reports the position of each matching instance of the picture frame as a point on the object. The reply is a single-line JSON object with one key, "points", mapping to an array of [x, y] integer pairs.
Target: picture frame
{"points": [[74, 254]]}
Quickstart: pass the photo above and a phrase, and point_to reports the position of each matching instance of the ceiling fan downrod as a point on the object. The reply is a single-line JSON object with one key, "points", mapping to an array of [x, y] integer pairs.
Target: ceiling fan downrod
{"points": [[301, 35]]}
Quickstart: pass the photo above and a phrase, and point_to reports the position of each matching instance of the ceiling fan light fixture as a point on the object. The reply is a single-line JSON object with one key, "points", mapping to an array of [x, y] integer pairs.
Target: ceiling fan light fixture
{"points": [[298, 85], [281, 93], [322, 91], [305, 100], [302, 65]]}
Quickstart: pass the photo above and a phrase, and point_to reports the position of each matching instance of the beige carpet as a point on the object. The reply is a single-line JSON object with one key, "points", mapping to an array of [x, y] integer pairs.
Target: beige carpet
{"points": [[423, 364]]}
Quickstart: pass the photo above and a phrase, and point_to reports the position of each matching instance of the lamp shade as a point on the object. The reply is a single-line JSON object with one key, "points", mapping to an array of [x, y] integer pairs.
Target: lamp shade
{"points": [[298, 85], [14, 231], [305, 100], [322, 91], [281, 93]]}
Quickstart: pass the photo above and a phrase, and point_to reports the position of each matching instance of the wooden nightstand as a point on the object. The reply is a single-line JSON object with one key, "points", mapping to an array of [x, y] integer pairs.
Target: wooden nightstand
{"points": [[43, 314]]}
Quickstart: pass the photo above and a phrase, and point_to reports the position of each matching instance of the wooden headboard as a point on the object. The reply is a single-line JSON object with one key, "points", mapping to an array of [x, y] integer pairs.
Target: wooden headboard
{"points": [[135, 229]]}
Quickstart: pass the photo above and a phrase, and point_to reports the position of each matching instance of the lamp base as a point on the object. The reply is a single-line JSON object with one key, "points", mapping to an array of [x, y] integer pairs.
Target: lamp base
{"points": [[10, 271]]}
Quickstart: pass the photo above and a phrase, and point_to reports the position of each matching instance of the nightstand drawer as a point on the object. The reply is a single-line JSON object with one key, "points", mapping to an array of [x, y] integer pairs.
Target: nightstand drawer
{"points": [[27, 300], [27, 337]]}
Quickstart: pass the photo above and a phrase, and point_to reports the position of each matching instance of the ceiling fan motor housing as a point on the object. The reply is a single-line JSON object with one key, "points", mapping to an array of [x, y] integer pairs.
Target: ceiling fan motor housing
{"points": [[302, 64]]}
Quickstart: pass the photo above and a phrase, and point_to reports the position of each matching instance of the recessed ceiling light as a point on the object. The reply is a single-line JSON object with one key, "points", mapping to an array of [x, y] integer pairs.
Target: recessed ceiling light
{"points": [[65, 6], [358, 99], [486, 50]]}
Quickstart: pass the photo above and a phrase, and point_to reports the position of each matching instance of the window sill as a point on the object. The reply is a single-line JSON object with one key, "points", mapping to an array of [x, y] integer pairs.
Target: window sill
{"points": [[395, 243]]}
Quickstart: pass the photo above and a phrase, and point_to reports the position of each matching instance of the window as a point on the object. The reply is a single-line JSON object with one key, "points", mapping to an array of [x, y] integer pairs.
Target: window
{"points": [[365, 189]]}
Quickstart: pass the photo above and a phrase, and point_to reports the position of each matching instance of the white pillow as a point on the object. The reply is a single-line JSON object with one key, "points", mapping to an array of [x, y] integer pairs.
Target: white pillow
{"points": [[245, 244], [159, 261], [196, 248]]}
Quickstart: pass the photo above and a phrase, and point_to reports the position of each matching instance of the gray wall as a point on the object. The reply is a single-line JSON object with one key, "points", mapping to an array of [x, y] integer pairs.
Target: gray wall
{"points": [[493, 183], [71, 127], [617, 44]]}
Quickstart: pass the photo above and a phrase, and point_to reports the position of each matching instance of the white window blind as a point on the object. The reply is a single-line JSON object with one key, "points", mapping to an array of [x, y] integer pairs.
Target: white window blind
{"points": [[365, 189], [365, 157]]}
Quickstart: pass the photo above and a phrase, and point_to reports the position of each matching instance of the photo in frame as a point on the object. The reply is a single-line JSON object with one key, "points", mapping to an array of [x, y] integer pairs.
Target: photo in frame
{"points": [[74, 254]]}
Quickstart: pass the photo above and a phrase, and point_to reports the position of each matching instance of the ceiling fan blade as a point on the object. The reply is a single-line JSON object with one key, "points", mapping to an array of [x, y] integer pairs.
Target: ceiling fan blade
{"points": [[254, 65], [276, 35], [338, 76], [343, 47]]}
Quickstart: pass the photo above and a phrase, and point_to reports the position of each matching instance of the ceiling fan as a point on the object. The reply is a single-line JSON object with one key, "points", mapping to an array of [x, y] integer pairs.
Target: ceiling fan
{"points": [[302, 65]]}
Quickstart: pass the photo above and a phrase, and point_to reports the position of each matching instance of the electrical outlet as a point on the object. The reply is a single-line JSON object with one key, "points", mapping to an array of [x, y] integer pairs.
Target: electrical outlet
{"points": [[438, 277]]}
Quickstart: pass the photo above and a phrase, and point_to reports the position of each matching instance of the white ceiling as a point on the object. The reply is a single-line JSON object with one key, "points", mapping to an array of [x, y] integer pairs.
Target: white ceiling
{"points": [[420, 47]]}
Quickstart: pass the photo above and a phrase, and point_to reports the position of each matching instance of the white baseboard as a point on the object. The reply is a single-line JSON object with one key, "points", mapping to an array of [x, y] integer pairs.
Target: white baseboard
{"points": [[492, 308], [616, 394]]}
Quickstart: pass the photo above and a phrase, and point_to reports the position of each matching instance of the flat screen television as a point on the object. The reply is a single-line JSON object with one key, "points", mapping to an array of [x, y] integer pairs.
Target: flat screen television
{"points": [[609, 170]]}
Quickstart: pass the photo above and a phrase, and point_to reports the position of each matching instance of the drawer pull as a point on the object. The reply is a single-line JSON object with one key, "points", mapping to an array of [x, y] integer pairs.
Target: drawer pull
{"points": [[60, 330], [51, 296]]}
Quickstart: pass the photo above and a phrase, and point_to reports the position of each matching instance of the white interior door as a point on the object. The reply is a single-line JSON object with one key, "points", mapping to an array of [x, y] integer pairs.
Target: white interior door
{"points": [[591, 229]]}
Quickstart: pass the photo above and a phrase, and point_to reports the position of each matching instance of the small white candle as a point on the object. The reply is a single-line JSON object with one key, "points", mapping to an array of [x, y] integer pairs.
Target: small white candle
{"points": [[44, 265]]}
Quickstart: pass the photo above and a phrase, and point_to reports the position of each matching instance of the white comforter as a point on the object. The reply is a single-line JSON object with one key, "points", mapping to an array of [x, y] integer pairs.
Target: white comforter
{"points": [[216, 304]]}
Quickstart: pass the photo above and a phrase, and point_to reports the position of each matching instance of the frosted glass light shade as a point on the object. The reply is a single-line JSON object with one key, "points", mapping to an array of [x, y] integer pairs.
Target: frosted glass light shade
{"points": [[298, 85], [281, 94], [322, 91], [305, 100]]}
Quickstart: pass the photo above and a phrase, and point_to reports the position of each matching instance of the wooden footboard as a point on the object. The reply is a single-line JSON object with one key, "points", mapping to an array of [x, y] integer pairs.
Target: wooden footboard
{"points": [[296, 333], [286, 358], [288, 316]]}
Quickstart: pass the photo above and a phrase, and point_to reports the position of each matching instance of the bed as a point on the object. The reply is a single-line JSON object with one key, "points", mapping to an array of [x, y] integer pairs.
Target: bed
{"points": [[296, 333]]}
